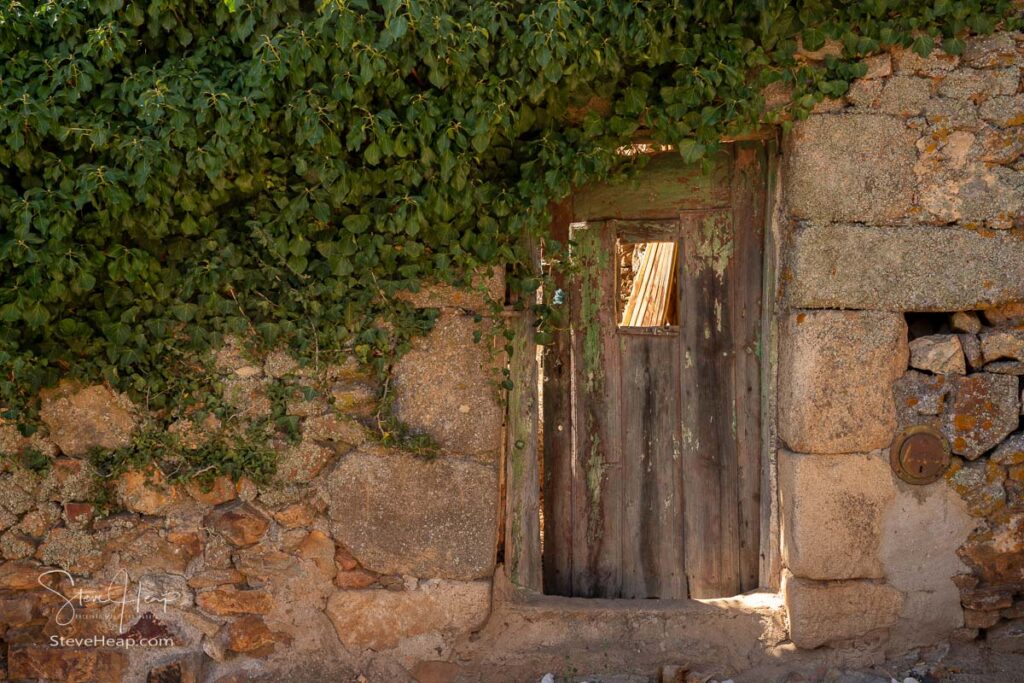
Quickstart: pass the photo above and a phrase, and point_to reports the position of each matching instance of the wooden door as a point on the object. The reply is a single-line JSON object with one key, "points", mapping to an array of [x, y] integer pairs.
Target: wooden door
{"points": [[652, 431]]}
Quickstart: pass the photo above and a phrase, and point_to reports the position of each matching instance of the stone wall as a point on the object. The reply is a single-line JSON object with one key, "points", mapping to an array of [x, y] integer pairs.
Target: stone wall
{"points": [[356, 560], [905, 196]]}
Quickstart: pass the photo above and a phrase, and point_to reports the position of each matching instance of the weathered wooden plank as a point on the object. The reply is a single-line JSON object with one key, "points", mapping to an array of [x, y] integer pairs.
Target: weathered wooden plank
{"points": [[558, 485], [709, 453], [597, 480], [748, 199], [522, 496], [662, 189], [652, 539]]}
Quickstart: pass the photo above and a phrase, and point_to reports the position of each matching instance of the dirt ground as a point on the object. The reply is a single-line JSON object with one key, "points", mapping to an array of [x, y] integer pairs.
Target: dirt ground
{"points": [[970, 662]]}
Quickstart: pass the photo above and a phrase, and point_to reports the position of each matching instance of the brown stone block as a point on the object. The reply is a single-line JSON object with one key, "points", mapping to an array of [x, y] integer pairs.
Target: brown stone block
{"points": [[216, 577], [986, 598], [44, 663], [241, 523], [146, 492], [250, 635], [979, 618], [996, 551], [220, 490], [229, 601]]}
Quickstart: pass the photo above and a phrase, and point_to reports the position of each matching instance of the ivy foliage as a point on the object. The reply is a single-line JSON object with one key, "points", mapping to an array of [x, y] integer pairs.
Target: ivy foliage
{"points": [[172, 171]]}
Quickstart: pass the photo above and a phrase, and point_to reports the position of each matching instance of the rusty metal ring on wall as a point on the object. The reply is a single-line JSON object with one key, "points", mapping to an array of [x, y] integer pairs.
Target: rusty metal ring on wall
{"points": [[919, 455]]}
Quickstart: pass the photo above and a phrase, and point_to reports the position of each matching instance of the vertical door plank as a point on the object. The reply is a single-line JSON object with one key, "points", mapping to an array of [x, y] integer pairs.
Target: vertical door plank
{"points": [[748, 200], [709, 445], [557, 383], [522, 493], [597, 475], [653, 560], [771, 562]]}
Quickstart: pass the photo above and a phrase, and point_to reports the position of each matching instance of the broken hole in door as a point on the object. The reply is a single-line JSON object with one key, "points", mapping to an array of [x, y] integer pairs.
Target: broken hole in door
{"points": [[647, 284]]}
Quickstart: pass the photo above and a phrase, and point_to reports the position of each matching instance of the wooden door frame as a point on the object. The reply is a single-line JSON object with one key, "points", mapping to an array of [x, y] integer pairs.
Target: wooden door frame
{"points": [[519, 534]]}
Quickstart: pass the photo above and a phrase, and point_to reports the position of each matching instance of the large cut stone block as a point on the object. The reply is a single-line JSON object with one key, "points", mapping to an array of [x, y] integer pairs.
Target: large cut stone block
{"points": [[836, 371], [401, 514], [905, 269], [446, 386], [381, 619], [832, 510], [825, 612], [856, 167]]}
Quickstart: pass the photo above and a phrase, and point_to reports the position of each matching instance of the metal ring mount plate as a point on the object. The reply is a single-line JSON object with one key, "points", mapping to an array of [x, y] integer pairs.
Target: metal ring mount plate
{"points": [[919, 455]]}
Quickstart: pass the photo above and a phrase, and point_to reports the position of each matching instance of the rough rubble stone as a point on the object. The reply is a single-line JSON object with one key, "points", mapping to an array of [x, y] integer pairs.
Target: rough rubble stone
{"points": [[986, 598], [832, 510], [1006, 367], [999, 344], [966, 321], [68, 665], [1004, 111], [836, 372], [146, 492], [991, 51], [318, 548], [229, 601], [996, 551], [826, 612], [382, 619], [1010, 451], [985, 408], [910, 269], [945, 113], [921, 396], [445, 387], [967, 84], [80, 419], [220, 490], [241, 523], [856, 167], [989, 193], [980, 484], [70, 549], [972, 351], [399, 514], [980, 619], [248, 634], [302, 462], [939, 353], [879, 66], [1005, 314], [905, 60]]}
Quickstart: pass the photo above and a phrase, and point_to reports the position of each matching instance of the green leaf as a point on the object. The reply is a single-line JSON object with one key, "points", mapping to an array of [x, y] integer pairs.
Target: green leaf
{"points": [[923, 45]]}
